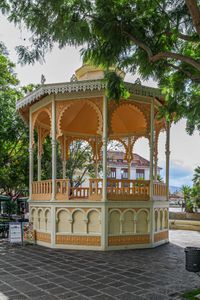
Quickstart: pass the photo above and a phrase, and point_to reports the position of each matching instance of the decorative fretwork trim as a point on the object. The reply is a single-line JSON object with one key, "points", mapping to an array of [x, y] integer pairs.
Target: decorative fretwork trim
{"points": [[83, 86]]}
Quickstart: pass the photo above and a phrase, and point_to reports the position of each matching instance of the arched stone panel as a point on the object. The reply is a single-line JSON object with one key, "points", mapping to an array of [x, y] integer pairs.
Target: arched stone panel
{"points": [[48, 220], [40, 220], [161, 219], [128, 222], [94, 222], [63, 224], [142, 222], [166, 219], [34, 218], [79, 224], [156, 221], [114, 222]]}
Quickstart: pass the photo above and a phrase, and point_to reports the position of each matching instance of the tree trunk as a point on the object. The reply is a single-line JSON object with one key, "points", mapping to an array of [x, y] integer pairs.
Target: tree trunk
{"points": [[195, 13]]}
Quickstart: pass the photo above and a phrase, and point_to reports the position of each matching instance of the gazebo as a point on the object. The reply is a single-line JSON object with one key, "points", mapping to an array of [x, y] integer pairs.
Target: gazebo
{"points": [[109, 213]]}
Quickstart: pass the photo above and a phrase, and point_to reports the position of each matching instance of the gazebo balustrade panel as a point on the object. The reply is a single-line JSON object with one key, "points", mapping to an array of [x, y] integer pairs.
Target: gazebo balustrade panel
{"points": [[42, 190], [159, 190], [117, 189], [79, 193], [62, 189]]}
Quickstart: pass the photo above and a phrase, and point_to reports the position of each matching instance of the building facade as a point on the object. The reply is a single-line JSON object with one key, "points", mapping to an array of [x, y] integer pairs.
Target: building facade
{"points": [[118, 166]]}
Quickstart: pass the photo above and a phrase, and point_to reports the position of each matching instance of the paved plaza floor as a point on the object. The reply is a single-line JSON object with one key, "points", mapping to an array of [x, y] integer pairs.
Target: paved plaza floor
{"points": [[33, 272]]}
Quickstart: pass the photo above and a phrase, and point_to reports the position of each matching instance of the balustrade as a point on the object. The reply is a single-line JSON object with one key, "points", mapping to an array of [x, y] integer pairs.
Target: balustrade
{"points": [[128, 189], [159, 189], [62, 189], [79, 192], [42, 190], [95, 189], [116, 190]]}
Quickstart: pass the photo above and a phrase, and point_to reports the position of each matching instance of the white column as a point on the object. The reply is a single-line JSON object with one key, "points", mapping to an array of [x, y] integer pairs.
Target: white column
{"points": [[129, 158], [156, 155], [53, 226], [151, 172], [39, 155], [129, 170], [39, 166], [64, 159], [30, 155], [54, 144], [155, 167], [151, 149], [167, 158], [104, 214], [105, 140], [96, 160], [96, 169]]}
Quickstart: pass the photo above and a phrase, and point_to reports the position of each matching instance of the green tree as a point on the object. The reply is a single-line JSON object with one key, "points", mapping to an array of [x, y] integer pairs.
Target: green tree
{"points": [[80, 163], [195, 194], [158, 39], [186, 190], [13, 132], [196, 176], [10, 207]]}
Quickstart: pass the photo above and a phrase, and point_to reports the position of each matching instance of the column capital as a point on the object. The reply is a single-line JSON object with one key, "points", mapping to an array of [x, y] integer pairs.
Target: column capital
{"points": [[167, 152], [53, 142]]}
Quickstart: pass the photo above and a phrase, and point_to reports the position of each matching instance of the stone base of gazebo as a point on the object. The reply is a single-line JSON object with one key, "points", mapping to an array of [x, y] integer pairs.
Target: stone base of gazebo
{"points": [[97, 225]]}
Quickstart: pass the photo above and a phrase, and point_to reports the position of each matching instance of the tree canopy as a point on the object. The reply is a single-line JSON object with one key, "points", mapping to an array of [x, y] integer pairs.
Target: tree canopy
{"points": [[158, 39], [13, 133]]}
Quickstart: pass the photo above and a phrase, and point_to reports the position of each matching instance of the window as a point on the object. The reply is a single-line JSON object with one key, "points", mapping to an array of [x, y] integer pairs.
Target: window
{"points": [[140, 174], [112, 173], [124, 173]]}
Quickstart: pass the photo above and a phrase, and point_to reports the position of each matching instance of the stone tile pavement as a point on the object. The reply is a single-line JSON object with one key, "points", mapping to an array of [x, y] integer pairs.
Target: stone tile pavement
{"points": [[33, 272]]}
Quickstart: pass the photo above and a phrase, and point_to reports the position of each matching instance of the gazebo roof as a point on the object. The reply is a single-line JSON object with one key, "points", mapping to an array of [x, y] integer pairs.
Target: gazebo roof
{"points": [[84, 85], [80, 100]]}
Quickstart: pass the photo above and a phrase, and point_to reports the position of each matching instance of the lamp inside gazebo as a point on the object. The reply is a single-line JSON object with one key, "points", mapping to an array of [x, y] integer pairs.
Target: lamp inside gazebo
{"points": [[79, 110]]}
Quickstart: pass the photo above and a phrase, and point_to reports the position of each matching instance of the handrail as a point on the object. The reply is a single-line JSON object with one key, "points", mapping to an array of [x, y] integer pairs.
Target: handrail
{"points": [[117, 189], [79, 192]]}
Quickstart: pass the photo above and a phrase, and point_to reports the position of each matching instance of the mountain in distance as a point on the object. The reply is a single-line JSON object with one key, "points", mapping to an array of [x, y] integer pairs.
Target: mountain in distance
{"points": [[174, 189]]}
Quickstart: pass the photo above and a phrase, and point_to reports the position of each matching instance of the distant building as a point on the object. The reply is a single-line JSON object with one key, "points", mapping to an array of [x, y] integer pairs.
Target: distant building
{"points": [[118, 166]]}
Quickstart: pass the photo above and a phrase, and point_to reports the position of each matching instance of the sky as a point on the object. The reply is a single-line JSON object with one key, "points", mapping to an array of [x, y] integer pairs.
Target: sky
{"points": [[60, 65]]}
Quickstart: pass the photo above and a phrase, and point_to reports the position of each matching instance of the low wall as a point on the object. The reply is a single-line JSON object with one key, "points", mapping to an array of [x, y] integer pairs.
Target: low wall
{"points": [[184, 225], [184, 216]]}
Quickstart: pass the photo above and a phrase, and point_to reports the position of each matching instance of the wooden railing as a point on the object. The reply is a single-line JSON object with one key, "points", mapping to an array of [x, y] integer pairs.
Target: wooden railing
{"points": [[116, 190], [159, 189], [79, 193], [42, 190], [62, 189], [128, 189], [95, 189]]}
